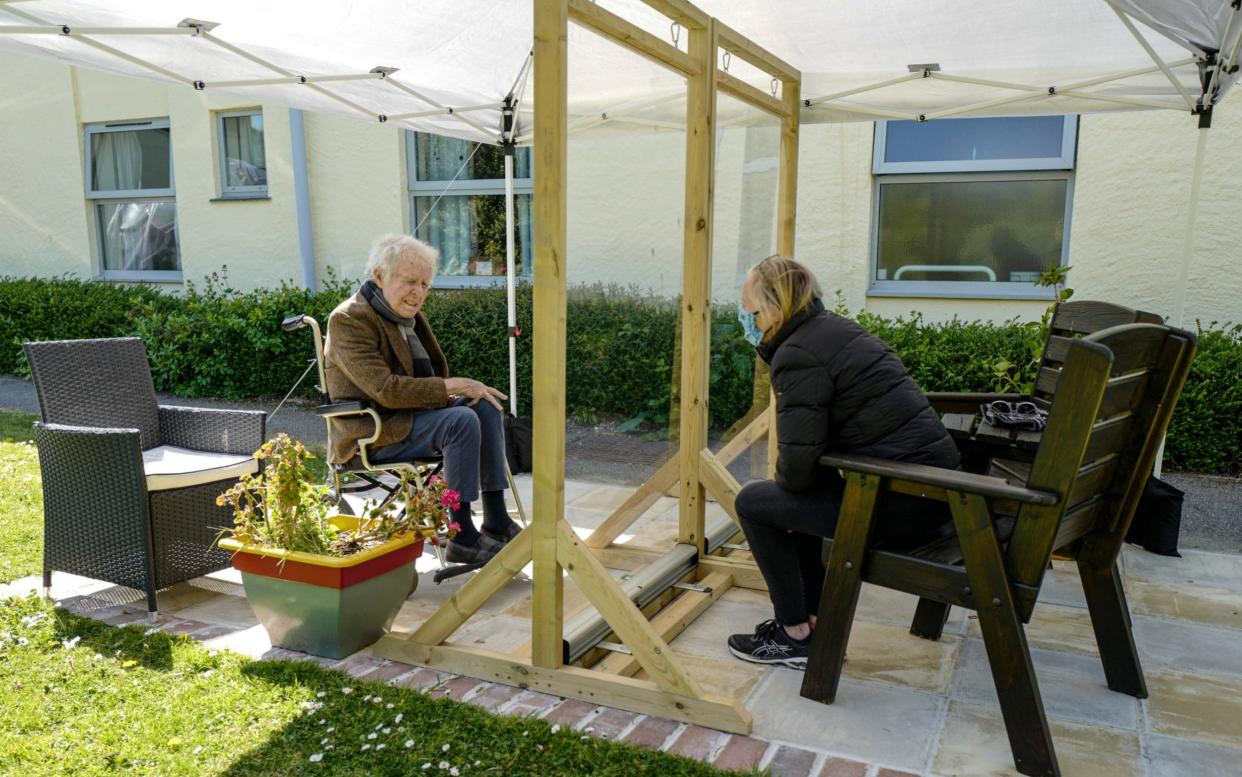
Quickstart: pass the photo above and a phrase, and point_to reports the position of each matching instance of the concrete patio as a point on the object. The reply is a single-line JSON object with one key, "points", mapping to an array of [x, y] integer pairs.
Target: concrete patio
{"points": [[906, 705]]}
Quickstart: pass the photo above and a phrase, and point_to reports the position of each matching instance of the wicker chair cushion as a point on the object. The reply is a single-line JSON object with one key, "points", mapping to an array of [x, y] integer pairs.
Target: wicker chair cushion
{"points": [[168, 467]]}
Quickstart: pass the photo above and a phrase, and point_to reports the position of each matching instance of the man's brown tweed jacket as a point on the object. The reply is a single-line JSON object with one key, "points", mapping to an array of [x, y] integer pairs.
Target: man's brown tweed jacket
{"points": [[366, 358]]}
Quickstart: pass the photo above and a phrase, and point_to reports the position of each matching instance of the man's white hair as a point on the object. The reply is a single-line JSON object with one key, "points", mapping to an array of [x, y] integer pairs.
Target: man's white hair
{"points": [[389, 249]]}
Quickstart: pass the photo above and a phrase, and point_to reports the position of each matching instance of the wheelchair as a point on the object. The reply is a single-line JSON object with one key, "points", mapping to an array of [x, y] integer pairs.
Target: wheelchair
{"points": [[360, 475]]}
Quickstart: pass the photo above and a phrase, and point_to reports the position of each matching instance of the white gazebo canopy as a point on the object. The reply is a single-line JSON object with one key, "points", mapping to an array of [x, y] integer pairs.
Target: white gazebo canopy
{"points": [[447, 66]]}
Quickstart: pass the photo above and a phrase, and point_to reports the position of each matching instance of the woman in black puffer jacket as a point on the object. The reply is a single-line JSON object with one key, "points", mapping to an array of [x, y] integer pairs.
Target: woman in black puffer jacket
{"points": [[839, 389]]}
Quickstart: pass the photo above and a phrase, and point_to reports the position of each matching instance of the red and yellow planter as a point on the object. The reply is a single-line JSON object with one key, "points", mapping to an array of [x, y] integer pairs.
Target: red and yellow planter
{"points": [[326, 605]]}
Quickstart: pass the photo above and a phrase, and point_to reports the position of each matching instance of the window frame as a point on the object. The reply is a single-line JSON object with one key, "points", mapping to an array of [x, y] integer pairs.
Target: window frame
{"points": [[96, 198], [964, 289], [1069, 136], [127, 194], [884, 173], [228, 192], [416, 188]]}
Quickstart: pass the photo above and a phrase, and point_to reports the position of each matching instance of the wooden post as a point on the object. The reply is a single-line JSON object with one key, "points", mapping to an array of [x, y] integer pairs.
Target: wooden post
{"points": [[786, 209], [551, 25], [697, 277]]}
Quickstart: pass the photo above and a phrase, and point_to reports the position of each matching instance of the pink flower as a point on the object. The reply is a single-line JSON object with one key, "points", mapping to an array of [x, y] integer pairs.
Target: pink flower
{"points": [[451, 499], [454, 526], [434, 479]]}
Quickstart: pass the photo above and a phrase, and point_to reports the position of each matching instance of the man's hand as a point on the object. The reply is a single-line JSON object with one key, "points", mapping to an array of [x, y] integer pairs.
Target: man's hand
{"points": [[474, 391]]}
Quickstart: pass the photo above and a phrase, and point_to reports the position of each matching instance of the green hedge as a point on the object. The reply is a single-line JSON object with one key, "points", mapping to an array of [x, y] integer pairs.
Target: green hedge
{"points": [[216, 341]]}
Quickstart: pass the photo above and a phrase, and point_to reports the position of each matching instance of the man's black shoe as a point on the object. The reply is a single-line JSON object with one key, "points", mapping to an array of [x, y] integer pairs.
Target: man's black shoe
{"points": [[503, 537], [482, 550], [771, 645]]}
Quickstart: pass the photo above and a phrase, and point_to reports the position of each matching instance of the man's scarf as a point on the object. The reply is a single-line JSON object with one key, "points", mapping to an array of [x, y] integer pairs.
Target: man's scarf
{"points": [[422, 362]]}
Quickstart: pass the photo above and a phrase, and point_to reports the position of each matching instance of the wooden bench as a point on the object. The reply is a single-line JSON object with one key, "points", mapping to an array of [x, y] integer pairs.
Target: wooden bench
{"points": [[1112, 395]]}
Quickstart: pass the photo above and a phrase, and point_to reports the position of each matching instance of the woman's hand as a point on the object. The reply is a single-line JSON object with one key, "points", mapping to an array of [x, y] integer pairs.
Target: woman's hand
{"points": [[474, 391]]}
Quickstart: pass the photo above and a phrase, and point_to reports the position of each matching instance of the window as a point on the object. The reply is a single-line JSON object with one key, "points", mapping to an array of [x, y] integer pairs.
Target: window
{"points": [[243, 167], [129, 180], [970, 207], [457, 204]]}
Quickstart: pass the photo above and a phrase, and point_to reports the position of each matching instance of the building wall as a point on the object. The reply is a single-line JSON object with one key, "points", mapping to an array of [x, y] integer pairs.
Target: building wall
{"points": [[625, 193]]}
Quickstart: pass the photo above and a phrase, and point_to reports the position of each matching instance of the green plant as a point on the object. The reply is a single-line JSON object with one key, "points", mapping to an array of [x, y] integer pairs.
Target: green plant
{"points": [[281, 506], [1206, 431], [1019, 378]]}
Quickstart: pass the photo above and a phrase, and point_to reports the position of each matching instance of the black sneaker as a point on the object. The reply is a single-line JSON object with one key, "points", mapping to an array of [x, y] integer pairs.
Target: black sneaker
{"points": [[771, 645], [503, 537], [483, 549]]}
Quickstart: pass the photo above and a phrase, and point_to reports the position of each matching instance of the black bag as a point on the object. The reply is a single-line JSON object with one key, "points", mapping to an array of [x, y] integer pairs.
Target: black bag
{"points": [[1158, 518], [518, 443]]}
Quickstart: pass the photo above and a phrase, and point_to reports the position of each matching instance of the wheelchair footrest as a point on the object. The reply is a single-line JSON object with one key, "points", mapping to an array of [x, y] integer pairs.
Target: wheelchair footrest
{"points": [[444, 573]]}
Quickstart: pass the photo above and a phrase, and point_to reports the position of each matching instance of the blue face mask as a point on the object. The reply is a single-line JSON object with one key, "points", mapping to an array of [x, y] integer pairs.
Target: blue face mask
{"points": [[750, 330]]}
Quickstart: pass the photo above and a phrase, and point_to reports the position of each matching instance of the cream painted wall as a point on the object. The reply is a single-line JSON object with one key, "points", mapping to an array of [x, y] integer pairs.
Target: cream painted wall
{"points": [[625, 199], [43, 229], [357, 190]]}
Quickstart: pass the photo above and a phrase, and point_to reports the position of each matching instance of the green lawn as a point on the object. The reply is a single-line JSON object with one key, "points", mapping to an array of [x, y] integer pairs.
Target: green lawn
{"points": [[84, 698], [21, 499]]}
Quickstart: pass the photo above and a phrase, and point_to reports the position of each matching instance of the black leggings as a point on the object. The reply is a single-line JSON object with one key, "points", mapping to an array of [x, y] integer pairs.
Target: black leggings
{"points": [[785, 530]]}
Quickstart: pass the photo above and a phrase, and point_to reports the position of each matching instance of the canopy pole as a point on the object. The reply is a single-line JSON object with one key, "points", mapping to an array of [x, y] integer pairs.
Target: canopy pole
{"points": [[1188, 242], [301, 197], [510, 254], [1188, 246]]}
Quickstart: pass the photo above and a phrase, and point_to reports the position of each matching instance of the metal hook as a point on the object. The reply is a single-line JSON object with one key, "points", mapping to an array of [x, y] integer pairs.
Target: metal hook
{"points": [[725, 61], [674, 30], [775, 84]]}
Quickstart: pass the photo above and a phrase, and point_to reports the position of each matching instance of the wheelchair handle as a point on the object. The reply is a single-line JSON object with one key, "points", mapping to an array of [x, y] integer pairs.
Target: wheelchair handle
{"points": [[293, 322]]}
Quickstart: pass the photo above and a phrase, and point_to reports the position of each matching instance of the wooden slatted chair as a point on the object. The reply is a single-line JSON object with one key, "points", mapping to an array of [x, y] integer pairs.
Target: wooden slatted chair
{"points": [[1113, 397], [980, 442]]}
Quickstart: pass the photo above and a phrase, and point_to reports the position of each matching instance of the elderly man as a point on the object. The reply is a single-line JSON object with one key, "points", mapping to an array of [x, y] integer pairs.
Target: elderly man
{"points": [[380, 348]]}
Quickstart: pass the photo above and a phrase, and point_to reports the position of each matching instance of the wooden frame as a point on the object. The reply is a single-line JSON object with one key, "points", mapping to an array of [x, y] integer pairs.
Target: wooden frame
{"points": [[651, 678]]}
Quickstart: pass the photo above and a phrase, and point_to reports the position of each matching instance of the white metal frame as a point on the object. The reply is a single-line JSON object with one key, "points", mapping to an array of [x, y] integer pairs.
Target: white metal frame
{"points": [[1064, 161], [97, 198], [1015, 290], [622, 114], [476, 186], [237, 192]]}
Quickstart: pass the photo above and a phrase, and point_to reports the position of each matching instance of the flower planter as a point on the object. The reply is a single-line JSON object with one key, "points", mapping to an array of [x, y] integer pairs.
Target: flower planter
{"points": [[325, 605]]}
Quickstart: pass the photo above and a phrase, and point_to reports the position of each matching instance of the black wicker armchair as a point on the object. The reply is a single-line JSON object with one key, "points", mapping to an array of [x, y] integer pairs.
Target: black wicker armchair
{"points": [[129, 487]]}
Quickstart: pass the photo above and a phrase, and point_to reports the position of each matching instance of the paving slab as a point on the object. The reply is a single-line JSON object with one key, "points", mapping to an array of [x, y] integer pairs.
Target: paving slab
{"points": [[1186, 602], [1173, 757], [868, 721], [1055, 627], [1072, 685], [1178, 646], [1195, 567], [1192, 707], [974, 744]]}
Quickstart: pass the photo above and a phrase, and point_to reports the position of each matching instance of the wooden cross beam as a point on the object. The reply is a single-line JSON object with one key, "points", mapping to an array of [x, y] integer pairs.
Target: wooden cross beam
{"points": [[549, 544]]}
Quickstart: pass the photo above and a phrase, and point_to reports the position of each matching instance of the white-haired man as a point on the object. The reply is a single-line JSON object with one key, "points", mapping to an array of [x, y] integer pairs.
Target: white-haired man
{"points": [[380, 348]]}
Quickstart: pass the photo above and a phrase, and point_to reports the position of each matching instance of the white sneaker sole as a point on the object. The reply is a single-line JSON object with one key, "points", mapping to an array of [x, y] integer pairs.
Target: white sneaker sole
{"points": [[798, 663]]}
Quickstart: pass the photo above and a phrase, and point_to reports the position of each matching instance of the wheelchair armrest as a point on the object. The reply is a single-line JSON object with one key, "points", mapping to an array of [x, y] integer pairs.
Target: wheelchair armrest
{"points": [[342, 408]]}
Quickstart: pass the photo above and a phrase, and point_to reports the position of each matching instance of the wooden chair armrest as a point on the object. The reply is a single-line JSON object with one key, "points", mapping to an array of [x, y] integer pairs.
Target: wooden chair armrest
{"points": [[965, 401], [938, 478]]}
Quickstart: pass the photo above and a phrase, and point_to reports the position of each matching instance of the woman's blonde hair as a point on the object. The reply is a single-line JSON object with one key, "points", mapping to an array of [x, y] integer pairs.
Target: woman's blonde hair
{"points": [[783, 287]]}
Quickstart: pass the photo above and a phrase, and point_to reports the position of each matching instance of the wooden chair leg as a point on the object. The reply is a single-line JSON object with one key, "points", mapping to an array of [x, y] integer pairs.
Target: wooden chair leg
{"points": [[842, 583], [1114, 634], [1008, 655], [929, 619]]}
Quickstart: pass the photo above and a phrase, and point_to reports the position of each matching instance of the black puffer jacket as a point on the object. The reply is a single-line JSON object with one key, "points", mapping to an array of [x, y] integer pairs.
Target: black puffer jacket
{"points": [[841, 389]]}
